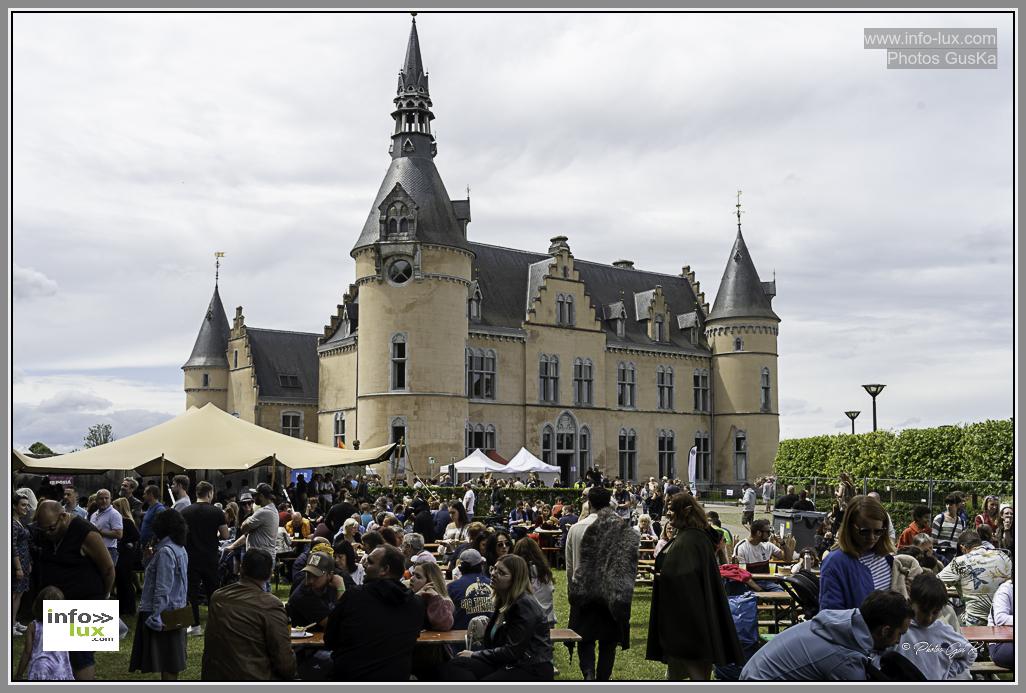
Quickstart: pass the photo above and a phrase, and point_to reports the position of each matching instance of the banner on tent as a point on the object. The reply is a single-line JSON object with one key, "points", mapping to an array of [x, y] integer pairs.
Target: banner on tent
{"points": [[294, 475]]}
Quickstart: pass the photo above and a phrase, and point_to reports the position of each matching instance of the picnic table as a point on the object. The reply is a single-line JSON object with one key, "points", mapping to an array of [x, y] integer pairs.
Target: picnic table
{"points": [[995, 634], [445, 637], [783, 604]]}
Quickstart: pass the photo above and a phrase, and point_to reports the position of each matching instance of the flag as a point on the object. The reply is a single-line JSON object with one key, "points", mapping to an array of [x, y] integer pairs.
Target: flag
{"points": [[692, 457], [340, 444]]}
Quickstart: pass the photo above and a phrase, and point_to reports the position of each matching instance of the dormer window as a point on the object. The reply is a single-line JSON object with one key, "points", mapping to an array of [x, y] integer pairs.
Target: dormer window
{"points": [[288, 380], [474, 302], [620, 325], [659, 329]]}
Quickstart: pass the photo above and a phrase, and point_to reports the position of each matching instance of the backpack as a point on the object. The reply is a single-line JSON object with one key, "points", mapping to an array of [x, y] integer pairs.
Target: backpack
{"points": [[744, 610]]}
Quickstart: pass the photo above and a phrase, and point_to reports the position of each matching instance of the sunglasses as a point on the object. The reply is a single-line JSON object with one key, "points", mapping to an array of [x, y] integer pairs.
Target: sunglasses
{"points": [[867, 532], [502, 543]]}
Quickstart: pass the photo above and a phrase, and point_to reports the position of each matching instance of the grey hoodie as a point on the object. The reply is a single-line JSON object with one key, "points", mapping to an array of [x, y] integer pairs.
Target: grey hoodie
{"points": [[833, 646]]}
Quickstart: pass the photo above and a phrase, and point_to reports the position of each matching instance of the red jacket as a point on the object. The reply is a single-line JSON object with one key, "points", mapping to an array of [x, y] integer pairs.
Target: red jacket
{"points": [[909, 534]]}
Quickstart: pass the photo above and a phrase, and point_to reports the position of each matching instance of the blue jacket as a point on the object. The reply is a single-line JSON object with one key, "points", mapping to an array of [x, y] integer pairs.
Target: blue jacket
{"points": [[833, 646], [844, 582], [166, 581]]}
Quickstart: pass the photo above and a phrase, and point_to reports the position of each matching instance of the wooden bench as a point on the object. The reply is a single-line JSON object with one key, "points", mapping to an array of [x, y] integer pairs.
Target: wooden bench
{"points": [[557, 553], [988, 668]]}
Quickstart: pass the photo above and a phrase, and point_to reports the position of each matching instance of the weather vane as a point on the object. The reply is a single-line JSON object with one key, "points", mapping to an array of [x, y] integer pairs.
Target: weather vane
{"points": [[468, 191], [217, 266], [739, 212]]}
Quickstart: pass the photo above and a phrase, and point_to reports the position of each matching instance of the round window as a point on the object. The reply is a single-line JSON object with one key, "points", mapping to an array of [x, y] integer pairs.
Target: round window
{"points": [[400, 272]]}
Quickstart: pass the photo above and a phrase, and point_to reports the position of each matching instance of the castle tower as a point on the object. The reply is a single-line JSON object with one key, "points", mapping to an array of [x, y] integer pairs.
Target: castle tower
{"points": [[206, 371], [742, 333], [413, 273]]}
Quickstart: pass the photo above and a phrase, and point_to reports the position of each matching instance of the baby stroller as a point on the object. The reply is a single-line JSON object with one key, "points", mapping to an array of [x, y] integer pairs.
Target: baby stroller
{"points": [[226, 567], [804, 588]]}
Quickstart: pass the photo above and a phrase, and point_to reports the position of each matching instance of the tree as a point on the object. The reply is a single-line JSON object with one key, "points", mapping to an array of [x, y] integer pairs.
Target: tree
{"points": [[38, 448], [99, 434]]}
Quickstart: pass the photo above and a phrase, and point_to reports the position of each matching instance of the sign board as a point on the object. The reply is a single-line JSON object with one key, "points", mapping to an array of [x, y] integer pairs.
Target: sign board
{"points": [[62, 480], [730, 492], [294, 475]]}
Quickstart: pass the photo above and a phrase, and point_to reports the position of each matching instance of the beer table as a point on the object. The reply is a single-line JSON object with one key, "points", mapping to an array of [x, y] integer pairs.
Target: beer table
{"points": [[994, 634], [443, 637]]}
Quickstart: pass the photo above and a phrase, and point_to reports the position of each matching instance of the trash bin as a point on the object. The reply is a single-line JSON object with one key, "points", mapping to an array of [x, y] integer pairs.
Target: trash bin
{"points": [[800, 524]]}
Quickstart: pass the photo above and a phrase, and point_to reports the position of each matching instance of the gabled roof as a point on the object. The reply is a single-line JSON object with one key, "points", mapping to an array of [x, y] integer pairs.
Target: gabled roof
{"points": [[741, 293], [211, 348], [284, 353], [504, 275]]}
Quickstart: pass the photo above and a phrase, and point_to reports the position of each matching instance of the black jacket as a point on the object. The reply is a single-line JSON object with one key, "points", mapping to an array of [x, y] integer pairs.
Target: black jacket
{"points": [[424, 524], [372, 632], [522, 637], [498, 499]]}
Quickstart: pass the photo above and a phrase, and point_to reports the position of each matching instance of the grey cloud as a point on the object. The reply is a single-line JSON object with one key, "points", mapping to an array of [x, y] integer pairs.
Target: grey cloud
{"points": [[65, 431], [909, 422], [17, 376], [29, 284], [797, 407], [67, 401]]}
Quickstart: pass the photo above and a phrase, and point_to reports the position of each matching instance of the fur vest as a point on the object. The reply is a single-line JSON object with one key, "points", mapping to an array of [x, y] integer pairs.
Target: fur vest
{"points": [[607, 566]]}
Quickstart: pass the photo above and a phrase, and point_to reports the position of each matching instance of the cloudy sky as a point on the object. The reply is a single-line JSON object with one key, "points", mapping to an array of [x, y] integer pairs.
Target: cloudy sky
{"points": [[143, 143]]}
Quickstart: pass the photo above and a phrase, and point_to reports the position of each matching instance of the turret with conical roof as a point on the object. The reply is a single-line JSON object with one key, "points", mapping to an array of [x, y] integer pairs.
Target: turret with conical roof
{"points": [[742, 333], [206, 371]]}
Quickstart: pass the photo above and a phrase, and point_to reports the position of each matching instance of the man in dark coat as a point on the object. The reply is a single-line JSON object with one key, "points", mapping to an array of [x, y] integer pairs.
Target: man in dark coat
{"points": [[374, 627], [601, 565]]}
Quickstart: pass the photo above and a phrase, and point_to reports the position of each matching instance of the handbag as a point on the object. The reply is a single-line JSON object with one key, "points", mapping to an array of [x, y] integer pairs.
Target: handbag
{"points": [[177, 618]]}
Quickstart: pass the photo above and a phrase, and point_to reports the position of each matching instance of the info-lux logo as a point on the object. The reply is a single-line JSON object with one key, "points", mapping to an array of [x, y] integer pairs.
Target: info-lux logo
{"points": [[80, 625]]}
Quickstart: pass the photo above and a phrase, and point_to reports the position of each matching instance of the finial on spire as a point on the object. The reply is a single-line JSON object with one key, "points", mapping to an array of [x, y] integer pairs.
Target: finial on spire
{"points": [[739, 212], [468, 191], [217, 266]]}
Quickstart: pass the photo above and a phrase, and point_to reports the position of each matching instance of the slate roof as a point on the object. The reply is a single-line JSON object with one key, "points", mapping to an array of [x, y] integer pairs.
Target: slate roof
{"points": [[275, 353], [413, 67], [642, 300], [741, 294], [436, 221], [505, 274], [211, 348]]}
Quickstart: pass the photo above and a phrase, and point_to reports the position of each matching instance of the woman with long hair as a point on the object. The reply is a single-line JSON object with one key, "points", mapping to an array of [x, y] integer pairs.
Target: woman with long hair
{"points": [[541, 576], [689, 590], [456, 531], [126, 547], [164, 589], [655, 505], [27, 492], [517, 646], [498, 545], [389, 536], [20, 558], [665, 538], [862, 561], [1004, 537], [231, 515], [428, 583], [991, 514]]}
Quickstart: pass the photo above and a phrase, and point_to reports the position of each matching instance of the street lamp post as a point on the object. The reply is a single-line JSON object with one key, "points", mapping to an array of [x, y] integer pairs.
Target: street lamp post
{"points": [[873, 391], [852, 415]]}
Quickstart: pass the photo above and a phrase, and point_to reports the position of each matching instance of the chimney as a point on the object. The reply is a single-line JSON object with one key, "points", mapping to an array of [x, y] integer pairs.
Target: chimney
{"points": [[624, 264], [558, 245]]}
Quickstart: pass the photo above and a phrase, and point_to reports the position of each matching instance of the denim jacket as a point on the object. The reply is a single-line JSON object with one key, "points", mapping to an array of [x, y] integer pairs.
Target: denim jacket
{"points": [[166, 582]]}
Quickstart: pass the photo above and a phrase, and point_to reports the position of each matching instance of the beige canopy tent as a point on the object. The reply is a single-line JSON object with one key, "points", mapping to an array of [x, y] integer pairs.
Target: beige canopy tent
{"points": [[206, 438]]}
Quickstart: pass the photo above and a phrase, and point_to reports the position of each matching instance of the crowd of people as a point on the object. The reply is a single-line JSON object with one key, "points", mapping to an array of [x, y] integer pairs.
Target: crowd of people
{"points": [[362, 573]]}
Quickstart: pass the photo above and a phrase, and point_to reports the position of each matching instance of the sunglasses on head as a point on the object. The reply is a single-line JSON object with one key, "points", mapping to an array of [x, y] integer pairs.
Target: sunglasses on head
{"points": [[867, 532]]}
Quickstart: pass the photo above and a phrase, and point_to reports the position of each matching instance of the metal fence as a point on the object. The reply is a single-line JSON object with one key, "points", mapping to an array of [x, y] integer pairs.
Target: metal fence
{"points": [[900, 496]]}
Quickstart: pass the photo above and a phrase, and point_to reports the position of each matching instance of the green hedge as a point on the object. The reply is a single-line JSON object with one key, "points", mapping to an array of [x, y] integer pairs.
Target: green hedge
{"points": [[970, 452]]}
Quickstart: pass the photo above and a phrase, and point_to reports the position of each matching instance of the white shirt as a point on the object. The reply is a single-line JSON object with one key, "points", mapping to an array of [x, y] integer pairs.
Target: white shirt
{"points": [[468, 501], [759, 553]]}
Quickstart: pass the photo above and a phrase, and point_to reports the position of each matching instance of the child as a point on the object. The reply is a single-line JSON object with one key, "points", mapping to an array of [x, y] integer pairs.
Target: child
{"points": [[936, 650], [42, 665]]}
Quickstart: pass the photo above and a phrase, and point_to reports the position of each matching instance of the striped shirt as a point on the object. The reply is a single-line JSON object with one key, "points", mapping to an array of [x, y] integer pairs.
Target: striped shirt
{"points": [[879, 569], [946, 531]]}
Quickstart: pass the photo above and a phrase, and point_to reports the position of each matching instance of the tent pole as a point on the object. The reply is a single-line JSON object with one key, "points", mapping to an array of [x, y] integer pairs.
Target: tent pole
{"points": [[395, 472], [161, 474], [274, 462]]}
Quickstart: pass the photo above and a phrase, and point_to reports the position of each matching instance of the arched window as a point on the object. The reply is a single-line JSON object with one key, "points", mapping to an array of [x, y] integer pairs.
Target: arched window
{"points": [[584, 382], [767, 402], [571, 316], [206, 380], [340, 429], [701, 389], [627, 450], [739, 344], [584, 448], [664, 388], [481, 372], [546, 444], [667, 453], [740, 455], [398, 380], [548, 378], [393, 227], [626, 382], [560, 310], [399, 432], [703, 460], [404, 225], [659, 328]]}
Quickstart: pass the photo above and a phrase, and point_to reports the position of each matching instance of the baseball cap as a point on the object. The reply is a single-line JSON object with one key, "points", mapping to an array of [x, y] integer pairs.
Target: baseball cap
{"points": [[471, 557], [265, 490], [319, 564]]}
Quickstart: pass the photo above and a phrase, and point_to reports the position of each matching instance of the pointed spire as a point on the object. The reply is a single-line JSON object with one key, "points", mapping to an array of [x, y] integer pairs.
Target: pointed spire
{"points": [[211, 348], [741, 293], [413, 67]]}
